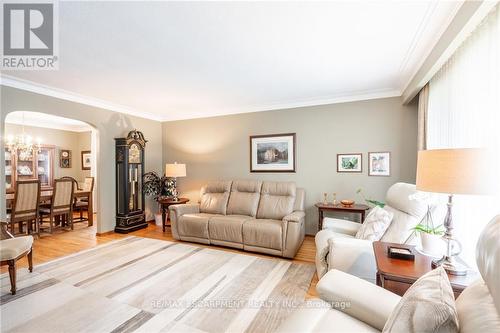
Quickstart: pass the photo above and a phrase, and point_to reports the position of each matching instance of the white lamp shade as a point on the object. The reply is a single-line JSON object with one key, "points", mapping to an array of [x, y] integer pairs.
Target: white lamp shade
{"points": [[175, 170], [453, 171]]}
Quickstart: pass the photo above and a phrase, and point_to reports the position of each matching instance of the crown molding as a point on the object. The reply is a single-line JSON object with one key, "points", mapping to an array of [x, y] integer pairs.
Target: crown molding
{"points": [[310, 102], [14, 82], [11, 81]]}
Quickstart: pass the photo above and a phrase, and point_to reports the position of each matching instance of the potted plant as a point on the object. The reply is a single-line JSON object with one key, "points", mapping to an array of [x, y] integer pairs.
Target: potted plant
{"points": [[370, 202], [157, 187], [430, 234]]}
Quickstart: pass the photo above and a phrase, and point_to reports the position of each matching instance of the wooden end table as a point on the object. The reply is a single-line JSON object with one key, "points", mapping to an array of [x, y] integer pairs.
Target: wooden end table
{"points": [[165, 203], [397, 275], [356, 208]]}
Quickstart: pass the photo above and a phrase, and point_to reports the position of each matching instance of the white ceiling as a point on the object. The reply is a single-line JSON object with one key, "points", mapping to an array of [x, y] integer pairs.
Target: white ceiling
{"points": [[180, 60], [44, 120]]}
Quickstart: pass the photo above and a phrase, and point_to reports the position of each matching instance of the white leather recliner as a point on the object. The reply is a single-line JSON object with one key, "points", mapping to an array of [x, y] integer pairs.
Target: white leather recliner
{"points": [[337, 248], [478, 307]]}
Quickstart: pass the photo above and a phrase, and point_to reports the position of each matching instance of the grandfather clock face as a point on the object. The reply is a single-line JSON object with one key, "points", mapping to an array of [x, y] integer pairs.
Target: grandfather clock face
{"points": [[134, 153]]}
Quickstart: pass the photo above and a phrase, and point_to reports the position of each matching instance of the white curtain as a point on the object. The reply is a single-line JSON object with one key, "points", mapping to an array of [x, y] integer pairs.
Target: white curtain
{"points": [[464, 111]]}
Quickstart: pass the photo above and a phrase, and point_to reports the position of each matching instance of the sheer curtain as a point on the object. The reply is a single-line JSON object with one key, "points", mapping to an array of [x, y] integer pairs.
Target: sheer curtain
{"points": [[464, 111]]}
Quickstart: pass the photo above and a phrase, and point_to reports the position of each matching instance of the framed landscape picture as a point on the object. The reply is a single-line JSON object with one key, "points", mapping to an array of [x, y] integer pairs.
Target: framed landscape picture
{"points": [[272, 153], [86, 160], [379, 163], [351, 163]]}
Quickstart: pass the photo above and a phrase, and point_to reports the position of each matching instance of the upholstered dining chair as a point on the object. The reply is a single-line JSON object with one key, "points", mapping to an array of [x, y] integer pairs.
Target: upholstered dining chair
{"points": [[82, 204], [61, 204], [25, 206], [11, 250]]}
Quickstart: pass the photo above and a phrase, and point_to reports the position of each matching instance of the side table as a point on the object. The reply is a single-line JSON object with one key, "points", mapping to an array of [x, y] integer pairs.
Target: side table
{"points": [[167, 202], [356, 208], [397, 275]]}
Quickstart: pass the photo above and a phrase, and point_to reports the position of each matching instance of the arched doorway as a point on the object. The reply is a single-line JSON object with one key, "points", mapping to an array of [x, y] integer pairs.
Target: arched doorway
{"points": [[62, 144]]}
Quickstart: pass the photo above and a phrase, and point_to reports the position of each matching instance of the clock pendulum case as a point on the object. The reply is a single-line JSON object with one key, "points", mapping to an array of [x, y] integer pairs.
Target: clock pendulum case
{"points": [[130, 214]]}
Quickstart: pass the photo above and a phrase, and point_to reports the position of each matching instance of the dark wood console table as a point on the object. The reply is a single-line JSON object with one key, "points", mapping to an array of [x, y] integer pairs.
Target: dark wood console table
{"points": [[356, 208], [167, 202]]}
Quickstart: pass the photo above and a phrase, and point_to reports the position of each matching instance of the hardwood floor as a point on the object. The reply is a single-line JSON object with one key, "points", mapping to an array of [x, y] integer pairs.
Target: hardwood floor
{"points": [[64, 242]]}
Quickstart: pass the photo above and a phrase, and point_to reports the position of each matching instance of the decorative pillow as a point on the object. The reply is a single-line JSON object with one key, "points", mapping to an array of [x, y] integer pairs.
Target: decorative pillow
{"points": [[375, 224], [427, 306]]}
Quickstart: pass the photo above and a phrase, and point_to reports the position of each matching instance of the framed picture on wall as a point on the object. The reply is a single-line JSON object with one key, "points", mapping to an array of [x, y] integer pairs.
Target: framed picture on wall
{"points": [[65, 158], [86, 160], [350, 163], [379, 163], [272, 153]]}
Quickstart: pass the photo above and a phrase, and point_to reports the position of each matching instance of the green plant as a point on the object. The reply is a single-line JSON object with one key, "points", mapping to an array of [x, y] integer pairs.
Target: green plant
{"points": [[156, 186], [370, 201], [427, 225]]}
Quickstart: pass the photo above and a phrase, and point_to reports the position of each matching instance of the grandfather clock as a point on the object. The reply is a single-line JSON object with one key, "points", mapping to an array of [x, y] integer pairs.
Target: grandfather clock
{"points": [[129, 171]]}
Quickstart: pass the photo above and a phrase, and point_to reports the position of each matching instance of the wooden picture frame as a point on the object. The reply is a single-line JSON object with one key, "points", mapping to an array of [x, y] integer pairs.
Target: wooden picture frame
{"points": [[65, 158], [86, 159], [379, 163], [350, 163], [271, 153]]}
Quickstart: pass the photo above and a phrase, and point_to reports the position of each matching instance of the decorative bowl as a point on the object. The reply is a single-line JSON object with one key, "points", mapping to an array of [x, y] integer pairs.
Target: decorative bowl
{"points": [[347, 203]]}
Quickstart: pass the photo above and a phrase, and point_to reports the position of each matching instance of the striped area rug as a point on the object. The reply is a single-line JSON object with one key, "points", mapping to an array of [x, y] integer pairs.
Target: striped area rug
{"points": [[146, 285]]}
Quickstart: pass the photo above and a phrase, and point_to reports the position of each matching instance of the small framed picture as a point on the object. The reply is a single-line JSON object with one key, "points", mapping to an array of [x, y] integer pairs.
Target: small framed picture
{"points": [[379, 163], [86, 160], [65, 158], [272, 153], [351, 163]]}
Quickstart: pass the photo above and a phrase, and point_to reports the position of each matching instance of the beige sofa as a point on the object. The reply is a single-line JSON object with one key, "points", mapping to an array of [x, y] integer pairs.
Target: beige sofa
{"points": [[266, 217]]}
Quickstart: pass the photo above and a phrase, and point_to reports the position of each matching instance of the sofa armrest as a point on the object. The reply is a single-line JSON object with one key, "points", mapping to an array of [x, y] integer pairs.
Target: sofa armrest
{"points": [[354, 256], [322, 249], [368, 302], [341, 226], [296, 216], [176, 211]]}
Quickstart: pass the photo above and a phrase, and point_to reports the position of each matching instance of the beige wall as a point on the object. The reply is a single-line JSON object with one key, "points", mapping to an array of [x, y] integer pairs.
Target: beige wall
{"points": [[74, 141], [109, 125], [218, 147]]}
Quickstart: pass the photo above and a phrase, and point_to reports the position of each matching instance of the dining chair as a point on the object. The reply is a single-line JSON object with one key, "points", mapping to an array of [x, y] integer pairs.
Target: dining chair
{"points": [[82, 204], [61, 204], [25, 206], [11, 250]]}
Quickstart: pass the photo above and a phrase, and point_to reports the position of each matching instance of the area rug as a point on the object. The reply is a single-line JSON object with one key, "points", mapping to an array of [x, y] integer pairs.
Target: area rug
{"points": [[147, 285]]}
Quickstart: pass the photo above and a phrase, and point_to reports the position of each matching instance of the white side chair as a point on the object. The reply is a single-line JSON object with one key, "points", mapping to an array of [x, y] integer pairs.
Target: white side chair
{"points": [[337, 248], [11, 250], [478, 307]]}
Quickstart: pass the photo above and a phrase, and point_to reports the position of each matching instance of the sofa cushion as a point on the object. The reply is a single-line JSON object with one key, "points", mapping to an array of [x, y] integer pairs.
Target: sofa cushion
{"points": [[214, 197], [244, 197], [428, 306], [194, 225], [375, 224], [277, 200], [263, 233], [227, 228]]}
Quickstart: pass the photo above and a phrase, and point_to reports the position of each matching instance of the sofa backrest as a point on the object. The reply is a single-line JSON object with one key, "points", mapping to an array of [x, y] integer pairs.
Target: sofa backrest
{"points": [[407, 213], [478, 306], [214, 197], [300, 199], [244, 197], [277, 200]]}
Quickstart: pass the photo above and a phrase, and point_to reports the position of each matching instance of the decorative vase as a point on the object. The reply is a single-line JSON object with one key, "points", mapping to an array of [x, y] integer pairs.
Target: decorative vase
{"points": [[432, 244]]}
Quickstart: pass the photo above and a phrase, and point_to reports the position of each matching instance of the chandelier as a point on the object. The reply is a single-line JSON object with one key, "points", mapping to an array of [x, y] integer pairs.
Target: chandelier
{"points": [[22, 144]]}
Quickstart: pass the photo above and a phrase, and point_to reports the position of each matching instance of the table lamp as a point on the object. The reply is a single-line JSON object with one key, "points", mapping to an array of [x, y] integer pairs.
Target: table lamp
{"points": [[451, 171], [173, 171]]}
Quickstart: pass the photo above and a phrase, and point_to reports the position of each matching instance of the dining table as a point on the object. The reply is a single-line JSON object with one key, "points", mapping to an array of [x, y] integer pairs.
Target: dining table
{"points": [[46, 196]]}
